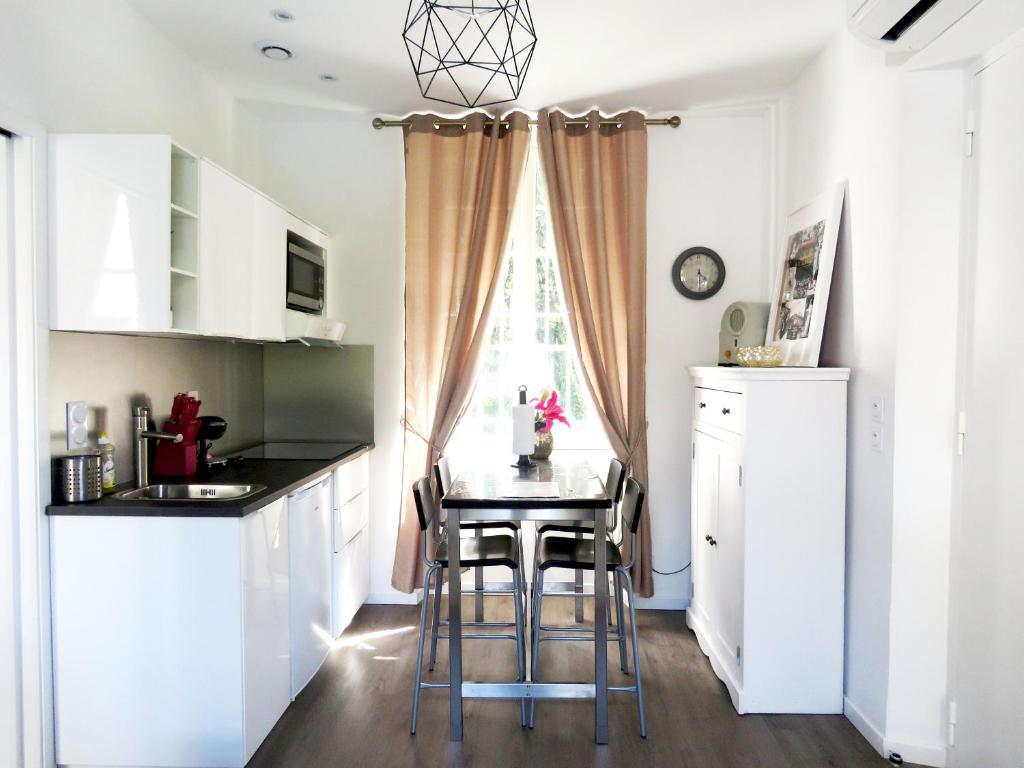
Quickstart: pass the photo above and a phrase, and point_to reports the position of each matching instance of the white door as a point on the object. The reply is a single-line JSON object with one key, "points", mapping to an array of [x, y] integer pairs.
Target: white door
{"points": [[309, 556], [265, 621], [9, 731], [269, 262], [226, 208], [987, 634], [705, 511], [728, 546]]}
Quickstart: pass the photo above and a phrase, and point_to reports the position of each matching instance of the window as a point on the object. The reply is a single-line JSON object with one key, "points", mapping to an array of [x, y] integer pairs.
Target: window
{"points": [[530, 341]]}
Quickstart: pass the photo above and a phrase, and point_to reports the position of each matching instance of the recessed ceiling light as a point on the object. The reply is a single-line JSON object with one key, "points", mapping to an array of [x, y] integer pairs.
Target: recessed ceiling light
{"points": [[274, 50], [282, 15], [327, 77]]}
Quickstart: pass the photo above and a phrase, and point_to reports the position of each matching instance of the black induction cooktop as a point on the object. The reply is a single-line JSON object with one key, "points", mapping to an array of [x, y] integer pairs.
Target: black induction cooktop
{"points": [[297, 450]]}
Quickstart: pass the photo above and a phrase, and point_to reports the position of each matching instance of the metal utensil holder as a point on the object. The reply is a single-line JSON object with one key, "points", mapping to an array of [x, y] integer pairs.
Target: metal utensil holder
{"points": [[79, 478]]}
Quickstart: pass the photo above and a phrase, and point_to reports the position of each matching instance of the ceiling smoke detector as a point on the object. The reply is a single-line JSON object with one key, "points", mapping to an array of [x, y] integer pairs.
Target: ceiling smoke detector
{"points": [[282, 15], [275, 51], [327, 77]]}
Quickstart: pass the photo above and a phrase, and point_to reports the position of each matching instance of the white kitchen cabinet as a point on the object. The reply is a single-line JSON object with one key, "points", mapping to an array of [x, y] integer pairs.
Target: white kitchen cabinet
{"points": [[110, 223], [768, 534], [310, 512], [269, 246], [148, 238], [226, 236], [351, 541], [266, 635], [170, 637]]}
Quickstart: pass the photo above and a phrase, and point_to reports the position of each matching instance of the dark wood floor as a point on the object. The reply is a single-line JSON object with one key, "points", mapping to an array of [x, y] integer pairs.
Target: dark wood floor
{"points": [[355, 712]]}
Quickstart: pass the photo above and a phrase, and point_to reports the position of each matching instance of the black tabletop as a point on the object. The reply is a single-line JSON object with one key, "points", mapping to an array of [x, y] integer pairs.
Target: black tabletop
{"points": [[479, 486]]}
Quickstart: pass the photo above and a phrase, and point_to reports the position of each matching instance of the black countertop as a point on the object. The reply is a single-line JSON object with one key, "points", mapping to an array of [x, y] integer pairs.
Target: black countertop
{"points": [[281, 476]]}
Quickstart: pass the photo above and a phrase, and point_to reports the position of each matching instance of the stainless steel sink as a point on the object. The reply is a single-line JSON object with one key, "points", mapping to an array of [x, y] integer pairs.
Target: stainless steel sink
{"points": [[191, 492]]}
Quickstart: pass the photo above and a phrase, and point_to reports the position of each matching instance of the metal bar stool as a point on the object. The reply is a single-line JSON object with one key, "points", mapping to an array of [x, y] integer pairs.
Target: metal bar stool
{"points": [[613, 486], [576, 554], [486, 551], [443, 479]]}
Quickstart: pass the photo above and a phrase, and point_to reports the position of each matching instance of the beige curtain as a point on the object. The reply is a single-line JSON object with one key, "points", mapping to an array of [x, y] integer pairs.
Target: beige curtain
{"points": [[597, 188], [460, 190]]}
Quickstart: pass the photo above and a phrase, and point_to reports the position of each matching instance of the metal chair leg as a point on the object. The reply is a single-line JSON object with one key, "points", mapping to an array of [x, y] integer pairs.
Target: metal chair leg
{"points": [[578, 585], [520, 641], [538, 598], [435, 624], [620, 618], [636, 654], [419, 650]]}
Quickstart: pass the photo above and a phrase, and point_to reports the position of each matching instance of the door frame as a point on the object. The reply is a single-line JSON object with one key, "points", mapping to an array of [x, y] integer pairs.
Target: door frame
{"points": [[964, 356], [27, 337]]}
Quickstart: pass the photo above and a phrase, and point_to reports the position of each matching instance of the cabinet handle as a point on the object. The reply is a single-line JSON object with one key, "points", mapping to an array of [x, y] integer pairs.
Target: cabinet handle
{"points": [[726, 411], [703, 405], [712, 542], [708, 538]]}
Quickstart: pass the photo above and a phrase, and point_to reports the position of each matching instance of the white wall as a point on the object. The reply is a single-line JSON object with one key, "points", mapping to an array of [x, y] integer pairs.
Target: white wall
{"points": [[350, 179], [932, 150], [841, 121], [709, 183], [892, 318]]}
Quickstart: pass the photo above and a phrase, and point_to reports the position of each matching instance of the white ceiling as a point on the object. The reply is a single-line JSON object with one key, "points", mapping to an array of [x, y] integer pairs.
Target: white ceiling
{"points": [[654, 54]]}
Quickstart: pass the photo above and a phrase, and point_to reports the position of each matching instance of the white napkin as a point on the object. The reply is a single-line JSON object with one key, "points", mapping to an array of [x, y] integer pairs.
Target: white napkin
{"points": [[529, 489]]}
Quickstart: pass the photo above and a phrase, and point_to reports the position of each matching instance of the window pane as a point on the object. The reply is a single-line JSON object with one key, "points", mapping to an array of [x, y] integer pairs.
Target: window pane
{"points": [[541, 324], [558, 370], [558, 332], [556, 299], [541, 292]]}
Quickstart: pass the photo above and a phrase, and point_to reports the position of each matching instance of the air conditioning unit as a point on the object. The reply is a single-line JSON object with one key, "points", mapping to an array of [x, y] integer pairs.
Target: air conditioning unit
{"points": [[904, 26]]}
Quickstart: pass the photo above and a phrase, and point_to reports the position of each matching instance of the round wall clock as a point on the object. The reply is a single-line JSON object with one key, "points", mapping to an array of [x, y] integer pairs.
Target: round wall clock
{"points": [[698, 273]]}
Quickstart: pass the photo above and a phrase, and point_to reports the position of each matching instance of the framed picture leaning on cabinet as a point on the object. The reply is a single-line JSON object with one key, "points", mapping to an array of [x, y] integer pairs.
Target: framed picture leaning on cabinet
{"points": [[797, 319]]}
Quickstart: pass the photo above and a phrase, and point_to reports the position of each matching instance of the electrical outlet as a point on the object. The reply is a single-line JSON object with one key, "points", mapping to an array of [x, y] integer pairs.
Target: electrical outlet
{"points": [[877, 439], [878, 409], [194, 393], [77, 414]]}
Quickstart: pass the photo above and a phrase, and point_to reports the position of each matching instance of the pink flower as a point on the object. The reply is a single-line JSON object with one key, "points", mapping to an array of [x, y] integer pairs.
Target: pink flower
{"points": [[548, 410]]}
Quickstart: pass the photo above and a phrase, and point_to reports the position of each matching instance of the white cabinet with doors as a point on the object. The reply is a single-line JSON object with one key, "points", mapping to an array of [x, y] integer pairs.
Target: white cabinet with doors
{"points": [[768, 534], [351, 540], [309, 517], [149, 238], [122, 234], [170, 636]]}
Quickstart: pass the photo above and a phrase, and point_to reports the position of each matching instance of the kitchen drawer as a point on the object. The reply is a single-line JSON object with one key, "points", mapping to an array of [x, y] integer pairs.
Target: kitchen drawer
{"points": [[353, 580], [350, 518], [353, 477], [718, 408]]}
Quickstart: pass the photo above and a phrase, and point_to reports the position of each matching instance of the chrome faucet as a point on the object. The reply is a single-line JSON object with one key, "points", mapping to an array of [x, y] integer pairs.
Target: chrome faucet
{"points": [[140, 415]]}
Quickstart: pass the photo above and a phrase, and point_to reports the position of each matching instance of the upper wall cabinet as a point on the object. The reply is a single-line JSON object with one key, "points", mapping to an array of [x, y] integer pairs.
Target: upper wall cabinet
{"points": [[226, 235], [148, 238], [110, 232]]}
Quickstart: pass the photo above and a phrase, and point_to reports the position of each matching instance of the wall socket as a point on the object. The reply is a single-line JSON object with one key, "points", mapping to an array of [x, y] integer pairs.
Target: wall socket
{"points": [[878, 409], [877, 438], [77, 414]]}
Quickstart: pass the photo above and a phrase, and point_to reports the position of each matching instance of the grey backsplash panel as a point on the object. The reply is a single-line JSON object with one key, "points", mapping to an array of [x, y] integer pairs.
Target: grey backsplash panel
{"points": [[318, 393]]}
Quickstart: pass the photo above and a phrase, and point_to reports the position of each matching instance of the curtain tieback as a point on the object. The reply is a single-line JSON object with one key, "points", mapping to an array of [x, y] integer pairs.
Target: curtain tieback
{"points": [[636, 445], [410, 428]]}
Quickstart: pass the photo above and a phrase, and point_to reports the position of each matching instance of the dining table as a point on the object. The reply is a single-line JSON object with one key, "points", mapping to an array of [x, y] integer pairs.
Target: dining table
{"points": [[548, 491]]}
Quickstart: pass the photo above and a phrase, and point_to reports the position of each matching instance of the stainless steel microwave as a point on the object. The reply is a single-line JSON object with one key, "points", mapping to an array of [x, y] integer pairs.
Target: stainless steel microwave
{"points": [[305, 275]]}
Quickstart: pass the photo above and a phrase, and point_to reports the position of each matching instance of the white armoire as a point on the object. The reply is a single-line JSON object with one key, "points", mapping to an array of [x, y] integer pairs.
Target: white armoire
{"points": [[768, 533]]}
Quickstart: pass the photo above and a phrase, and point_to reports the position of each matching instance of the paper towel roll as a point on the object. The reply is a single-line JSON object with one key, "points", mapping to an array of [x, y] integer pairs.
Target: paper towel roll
{"points": [[522, 429]]}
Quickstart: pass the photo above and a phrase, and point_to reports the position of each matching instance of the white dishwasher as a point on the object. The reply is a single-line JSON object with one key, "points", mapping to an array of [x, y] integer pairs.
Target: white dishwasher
{"points": [[309, 568]]}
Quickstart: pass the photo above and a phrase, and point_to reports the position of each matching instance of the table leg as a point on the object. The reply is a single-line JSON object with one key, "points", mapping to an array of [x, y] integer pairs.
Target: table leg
{"points": [[600, 630], [478, 585], [455, 625]]}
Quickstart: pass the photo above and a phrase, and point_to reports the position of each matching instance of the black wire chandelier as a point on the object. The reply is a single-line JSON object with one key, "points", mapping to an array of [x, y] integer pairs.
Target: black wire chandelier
{"points": [[470, 53]]}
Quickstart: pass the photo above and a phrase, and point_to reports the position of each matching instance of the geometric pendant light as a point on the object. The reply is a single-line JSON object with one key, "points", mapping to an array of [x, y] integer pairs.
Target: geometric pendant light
{"points": [[471, 53]]}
